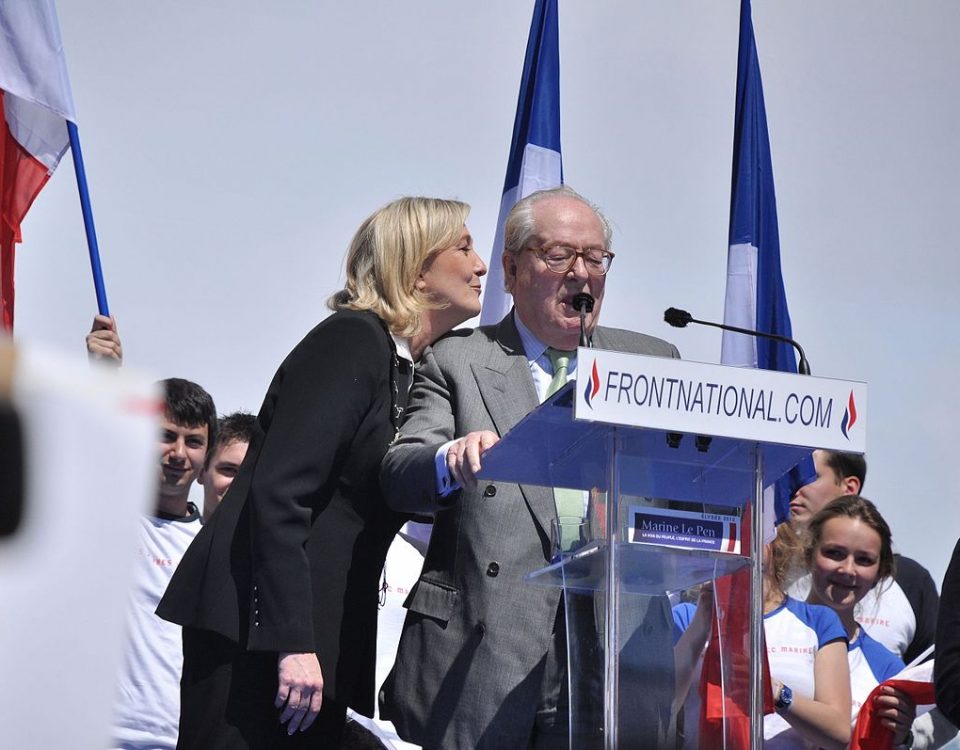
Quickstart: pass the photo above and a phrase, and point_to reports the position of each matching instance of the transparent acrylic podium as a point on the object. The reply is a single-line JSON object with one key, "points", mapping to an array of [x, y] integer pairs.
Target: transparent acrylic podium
{"points": [[622, 690]]}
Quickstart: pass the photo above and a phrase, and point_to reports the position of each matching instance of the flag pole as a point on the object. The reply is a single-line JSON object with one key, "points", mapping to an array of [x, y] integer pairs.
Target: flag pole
{"points": [[534, 162], [88, 219]]}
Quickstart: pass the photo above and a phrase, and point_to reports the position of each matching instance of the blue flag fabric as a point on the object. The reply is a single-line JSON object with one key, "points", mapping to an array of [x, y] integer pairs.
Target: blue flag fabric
{"points": [[755, 296], [535, 162]]}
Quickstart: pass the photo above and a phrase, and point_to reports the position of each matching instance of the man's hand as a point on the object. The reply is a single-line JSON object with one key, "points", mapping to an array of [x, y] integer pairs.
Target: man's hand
{"points": [[103, 341], [463, 456], [300, 688]]}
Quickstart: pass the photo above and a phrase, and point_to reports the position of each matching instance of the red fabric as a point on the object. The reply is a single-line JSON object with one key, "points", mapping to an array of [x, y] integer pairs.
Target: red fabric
{"points": [[21, 179], [869, 733], [725, 677]]}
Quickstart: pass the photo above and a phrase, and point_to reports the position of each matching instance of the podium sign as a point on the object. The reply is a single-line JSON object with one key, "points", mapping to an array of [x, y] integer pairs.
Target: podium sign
{"points": [[638, 432], [746, 404]]}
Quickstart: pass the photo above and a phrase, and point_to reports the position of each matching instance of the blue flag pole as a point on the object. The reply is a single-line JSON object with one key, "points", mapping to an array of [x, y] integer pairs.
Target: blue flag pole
{"points": [[88, 219]]}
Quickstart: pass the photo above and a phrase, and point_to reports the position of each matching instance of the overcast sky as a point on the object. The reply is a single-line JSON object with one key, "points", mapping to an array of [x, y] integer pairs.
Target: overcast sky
{"points": [[233, 147]]}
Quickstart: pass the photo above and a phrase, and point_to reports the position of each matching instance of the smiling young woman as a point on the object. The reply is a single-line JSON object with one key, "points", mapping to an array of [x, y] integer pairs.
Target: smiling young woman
{"points": [[849, 552]]}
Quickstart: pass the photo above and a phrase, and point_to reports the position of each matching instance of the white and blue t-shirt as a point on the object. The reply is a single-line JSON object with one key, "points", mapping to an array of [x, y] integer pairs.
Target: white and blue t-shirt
{"points": [[795, 632], [870, 664]]}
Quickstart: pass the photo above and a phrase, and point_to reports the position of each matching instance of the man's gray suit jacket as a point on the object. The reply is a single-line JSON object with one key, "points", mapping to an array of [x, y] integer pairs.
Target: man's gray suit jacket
{"points": [[471, 657]]}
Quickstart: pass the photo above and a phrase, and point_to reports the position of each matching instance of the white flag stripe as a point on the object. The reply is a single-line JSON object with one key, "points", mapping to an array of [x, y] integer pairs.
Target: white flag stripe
{"points": [[33, 76], [496, 301], [540, 170], [41, 132], [740, 350], [740, 306], [32, 64]]}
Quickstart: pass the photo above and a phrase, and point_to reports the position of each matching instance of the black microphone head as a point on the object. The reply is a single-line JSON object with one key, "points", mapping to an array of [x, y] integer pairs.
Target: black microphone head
{"points": [[583, 302], [677, 318]]}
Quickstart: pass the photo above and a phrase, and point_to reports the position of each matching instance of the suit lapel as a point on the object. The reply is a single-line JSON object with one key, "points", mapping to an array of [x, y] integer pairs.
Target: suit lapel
{"points": [[506, 387]]}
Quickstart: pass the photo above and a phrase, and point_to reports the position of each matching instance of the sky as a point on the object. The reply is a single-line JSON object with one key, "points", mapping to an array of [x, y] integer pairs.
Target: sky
{"points": [[232, 148]]}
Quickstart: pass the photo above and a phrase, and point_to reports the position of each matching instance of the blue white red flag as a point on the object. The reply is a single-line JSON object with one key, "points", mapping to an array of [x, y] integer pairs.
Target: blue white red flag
{"points": [[35, 105], [755, 297], [535, 162]]}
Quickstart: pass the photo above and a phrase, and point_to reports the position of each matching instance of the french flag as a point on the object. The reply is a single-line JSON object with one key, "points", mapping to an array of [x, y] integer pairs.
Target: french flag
{"points": [[755, 296], [755, 299], [35, 103], [535, 162]]}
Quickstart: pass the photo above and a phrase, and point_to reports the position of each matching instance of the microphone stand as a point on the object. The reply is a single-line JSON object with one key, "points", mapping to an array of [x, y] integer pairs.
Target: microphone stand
{"points": [[583, 303], [679, 319]]}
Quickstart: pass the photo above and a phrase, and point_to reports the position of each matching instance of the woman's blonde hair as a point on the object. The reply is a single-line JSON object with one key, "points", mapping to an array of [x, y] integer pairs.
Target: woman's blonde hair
{"points": [[388, 253], [786, 557]]}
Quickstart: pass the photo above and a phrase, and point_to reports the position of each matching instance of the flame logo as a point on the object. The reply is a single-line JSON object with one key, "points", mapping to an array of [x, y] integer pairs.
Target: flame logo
{"points": [[593, 385], [849, 416]]}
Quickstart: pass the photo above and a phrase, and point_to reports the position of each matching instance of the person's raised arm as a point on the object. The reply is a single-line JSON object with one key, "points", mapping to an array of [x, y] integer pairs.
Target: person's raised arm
{"points": [[103, 341]]}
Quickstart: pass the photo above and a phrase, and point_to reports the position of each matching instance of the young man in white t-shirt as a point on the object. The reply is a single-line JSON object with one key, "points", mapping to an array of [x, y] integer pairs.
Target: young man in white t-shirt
{"points": [[147, 705]]}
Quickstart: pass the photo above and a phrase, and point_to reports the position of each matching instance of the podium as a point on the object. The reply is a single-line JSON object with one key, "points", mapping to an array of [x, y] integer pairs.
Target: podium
{"points": [[645, 437]]}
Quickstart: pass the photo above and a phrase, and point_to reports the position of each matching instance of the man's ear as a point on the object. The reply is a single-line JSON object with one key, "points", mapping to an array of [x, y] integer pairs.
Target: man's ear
{"points": [[200, 475], [509, 261], [851, 485]]}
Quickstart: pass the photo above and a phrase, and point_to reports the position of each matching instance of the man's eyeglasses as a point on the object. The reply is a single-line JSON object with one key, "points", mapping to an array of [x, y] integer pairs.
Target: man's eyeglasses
{"points": [[560, 258]]}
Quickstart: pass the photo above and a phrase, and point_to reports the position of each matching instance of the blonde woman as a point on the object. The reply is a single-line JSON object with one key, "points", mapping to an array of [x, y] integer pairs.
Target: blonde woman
{"points": [[278, 595]]}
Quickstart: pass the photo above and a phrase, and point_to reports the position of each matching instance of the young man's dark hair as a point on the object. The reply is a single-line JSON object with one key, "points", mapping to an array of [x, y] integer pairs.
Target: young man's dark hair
{"points": [[847, 465], [236, 427], [188, 404]]}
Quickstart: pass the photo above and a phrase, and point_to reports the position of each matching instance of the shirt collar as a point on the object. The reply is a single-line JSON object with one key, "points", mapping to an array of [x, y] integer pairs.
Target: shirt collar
{"points": [[403, 347], [532, 346]]}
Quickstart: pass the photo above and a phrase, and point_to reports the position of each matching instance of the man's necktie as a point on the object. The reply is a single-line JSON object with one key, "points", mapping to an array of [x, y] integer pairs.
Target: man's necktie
{"points": [[560, 361], [569, 502]]}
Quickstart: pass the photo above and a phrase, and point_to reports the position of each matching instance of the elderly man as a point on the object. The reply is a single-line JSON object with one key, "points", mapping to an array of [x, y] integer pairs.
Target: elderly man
{"points": [[482, 658]]}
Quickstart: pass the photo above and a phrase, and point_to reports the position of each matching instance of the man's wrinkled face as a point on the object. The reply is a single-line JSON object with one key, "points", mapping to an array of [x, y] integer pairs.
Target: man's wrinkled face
{"points": [[543, 298]]}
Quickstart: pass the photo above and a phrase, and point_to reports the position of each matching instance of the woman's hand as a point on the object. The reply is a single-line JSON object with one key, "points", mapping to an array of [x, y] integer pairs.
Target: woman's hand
{"points": [[896, 712], [300, 687]]}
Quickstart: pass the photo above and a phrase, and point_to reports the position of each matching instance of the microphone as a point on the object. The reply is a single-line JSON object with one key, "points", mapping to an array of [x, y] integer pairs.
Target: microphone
{"points": [[583, 303], [679, 319]]}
